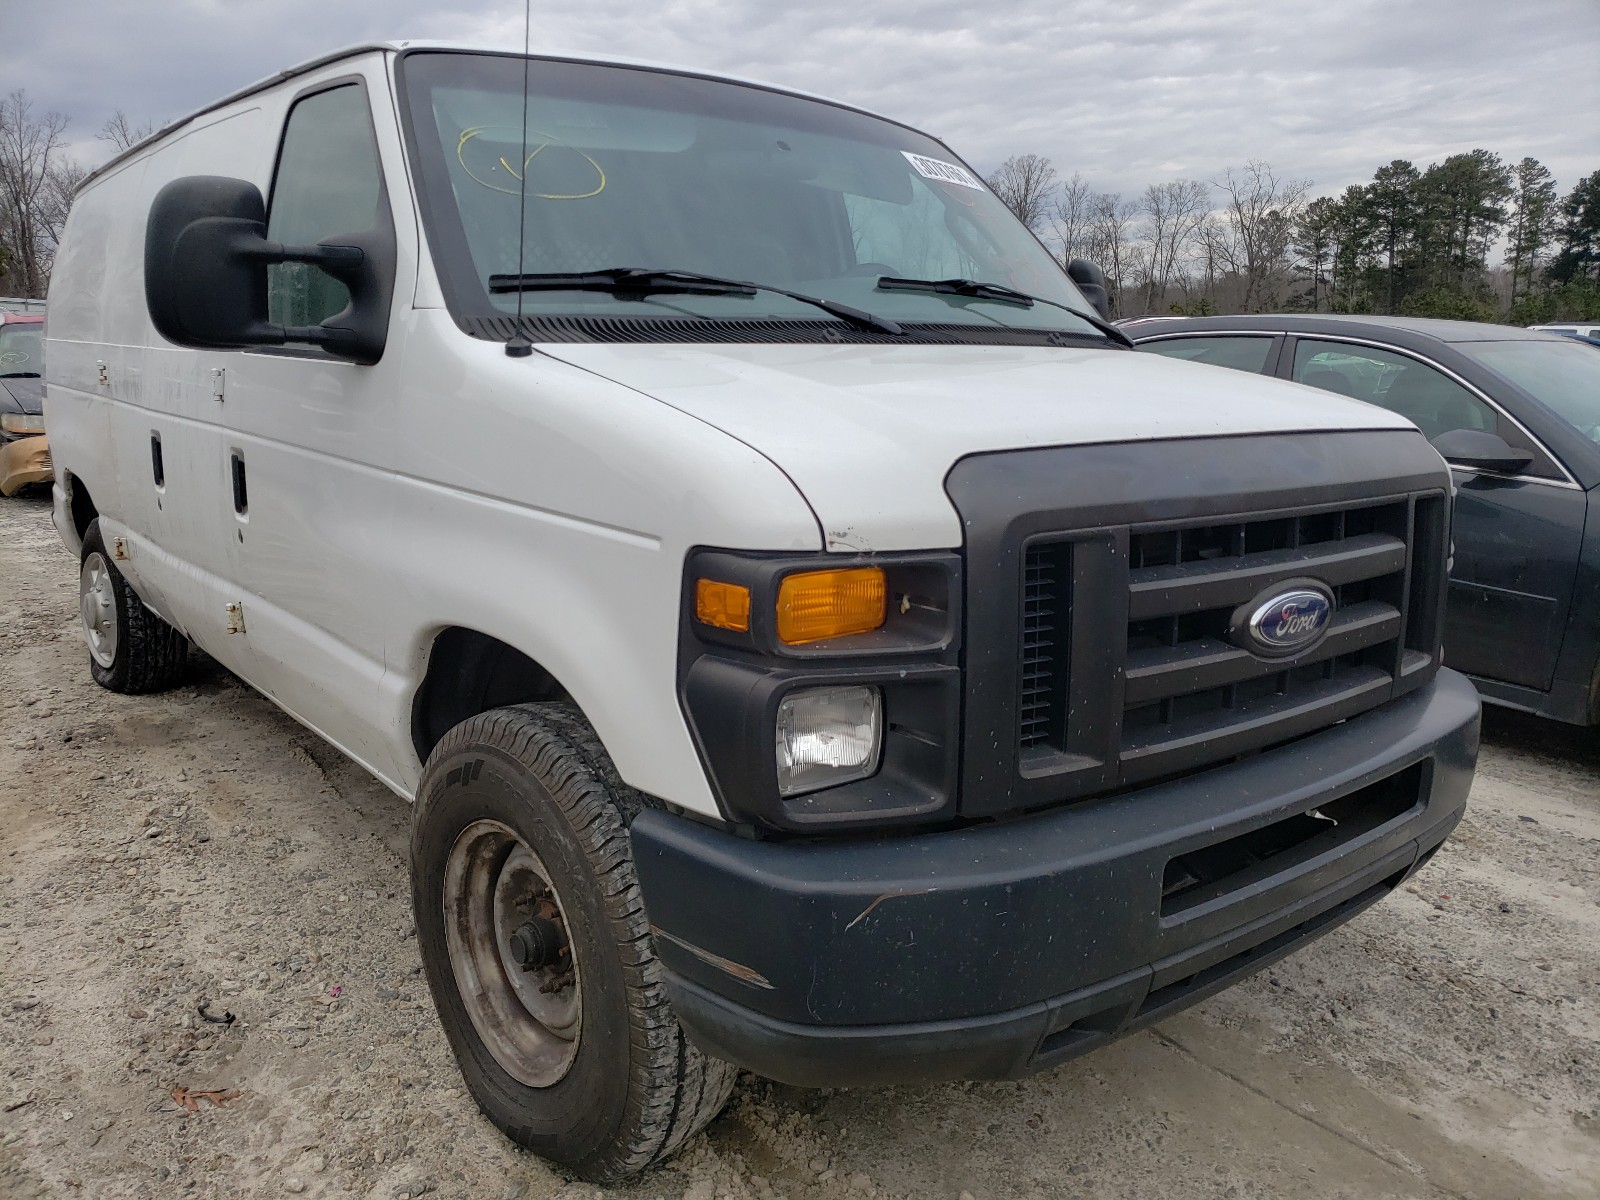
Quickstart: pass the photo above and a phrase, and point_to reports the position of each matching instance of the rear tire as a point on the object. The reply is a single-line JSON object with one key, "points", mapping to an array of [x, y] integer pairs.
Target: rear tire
{"points": [[520, 818], [131, 650]]}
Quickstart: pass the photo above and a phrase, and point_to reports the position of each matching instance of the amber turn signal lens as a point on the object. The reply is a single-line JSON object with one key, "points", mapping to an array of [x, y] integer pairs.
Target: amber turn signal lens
{"points": [[724, 605], [814, 605]]}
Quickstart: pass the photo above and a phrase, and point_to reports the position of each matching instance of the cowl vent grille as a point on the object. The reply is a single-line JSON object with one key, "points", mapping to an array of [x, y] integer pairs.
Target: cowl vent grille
{"points": [[685, 330]]}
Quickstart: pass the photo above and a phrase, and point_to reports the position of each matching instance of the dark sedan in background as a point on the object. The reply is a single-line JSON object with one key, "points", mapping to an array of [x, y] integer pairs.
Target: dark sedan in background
{"points": [[1517, 414]]}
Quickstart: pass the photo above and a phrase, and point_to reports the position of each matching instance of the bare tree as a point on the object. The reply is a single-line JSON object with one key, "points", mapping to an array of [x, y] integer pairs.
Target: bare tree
{"points": [[1073, 219], [123, 133], [1172, 212], [1111, 244], [1206, 249], [31, 152], [1024, 182], [56, 201], [1260, 211]]}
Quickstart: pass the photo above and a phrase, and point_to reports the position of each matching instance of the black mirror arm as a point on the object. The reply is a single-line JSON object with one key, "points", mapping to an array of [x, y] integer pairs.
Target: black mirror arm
{"points": [[328, 336], [333, 259], [342, 262], [244, 240]]}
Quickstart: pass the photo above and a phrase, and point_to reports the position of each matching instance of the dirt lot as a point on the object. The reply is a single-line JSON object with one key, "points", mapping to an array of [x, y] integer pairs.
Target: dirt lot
{"points": [[199, 846]]}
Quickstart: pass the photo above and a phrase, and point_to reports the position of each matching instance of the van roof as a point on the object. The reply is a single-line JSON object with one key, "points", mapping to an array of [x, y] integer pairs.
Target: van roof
{"points": [[396, 47]]}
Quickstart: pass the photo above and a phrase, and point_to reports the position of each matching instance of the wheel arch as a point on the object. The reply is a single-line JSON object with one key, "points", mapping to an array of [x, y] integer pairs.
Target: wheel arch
{"points": [[80, 505], [470, 673]]}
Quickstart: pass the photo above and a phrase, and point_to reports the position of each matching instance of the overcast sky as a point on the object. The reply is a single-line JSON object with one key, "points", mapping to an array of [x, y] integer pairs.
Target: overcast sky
{"points": [[1127, 92]]}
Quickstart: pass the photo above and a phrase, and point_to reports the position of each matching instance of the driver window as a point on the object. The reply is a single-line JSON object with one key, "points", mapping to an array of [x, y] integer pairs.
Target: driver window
{"points": [[328, 184]]}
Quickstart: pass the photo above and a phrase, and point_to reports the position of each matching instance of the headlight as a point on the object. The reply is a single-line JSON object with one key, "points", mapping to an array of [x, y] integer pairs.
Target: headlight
{"points": [[828, 736], [21, 422], [823, 691]]}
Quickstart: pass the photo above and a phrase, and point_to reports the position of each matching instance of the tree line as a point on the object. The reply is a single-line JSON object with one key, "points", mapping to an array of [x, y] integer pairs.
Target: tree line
{"points": [[1472, 237]]}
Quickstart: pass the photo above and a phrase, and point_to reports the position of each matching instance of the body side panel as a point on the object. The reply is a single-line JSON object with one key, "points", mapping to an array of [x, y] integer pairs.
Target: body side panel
{"points": [[449, 486]]}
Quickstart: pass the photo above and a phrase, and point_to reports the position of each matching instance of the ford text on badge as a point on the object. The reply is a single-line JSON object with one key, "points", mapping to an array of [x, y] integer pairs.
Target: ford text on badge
{"points": [[1287, 622]]}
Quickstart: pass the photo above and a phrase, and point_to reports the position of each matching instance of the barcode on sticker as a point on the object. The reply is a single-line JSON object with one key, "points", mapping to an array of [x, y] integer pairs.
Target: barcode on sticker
{"points": [[943, 172]]}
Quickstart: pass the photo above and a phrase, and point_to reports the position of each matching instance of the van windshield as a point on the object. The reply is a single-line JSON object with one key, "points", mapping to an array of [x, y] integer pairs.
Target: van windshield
{"points": [[635, 168]]}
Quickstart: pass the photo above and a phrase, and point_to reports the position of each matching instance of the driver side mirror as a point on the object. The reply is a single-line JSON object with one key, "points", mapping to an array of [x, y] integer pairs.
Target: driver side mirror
{"points": [[205, 274], [1091, 281], [1481, 451]]}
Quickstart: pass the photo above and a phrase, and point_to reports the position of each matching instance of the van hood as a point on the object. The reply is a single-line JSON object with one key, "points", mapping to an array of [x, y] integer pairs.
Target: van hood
{"points": [[868, 433]]}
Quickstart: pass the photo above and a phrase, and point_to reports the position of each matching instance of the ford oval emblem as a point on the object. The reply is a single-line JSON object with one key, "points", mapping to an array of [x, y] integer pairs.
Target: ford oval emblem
{"points": [[1293, 617]]}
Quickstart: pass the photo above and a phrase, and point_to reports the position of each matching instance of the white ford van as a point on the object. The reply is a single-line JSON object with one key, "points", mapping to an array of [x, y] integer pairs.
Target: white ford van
{"points": [[813, 640]]}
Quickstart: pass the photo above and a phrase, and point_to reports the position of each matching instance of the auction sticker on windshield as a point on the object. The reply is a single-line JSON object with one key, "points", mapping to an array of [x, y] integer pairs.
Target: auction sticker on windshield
{"points": [[944, 172]]}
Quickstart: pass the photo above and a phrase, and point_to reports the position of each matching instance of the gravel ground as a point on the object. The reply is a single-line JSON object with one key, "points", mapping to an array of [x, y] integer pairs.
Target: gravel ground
{"points": [[157, 853]]}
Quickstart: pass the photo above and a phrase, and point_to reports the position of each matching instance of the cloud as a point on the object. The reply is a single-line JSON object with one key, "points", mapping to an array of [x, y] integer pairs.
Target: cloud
{"points": [[1125, 93]]}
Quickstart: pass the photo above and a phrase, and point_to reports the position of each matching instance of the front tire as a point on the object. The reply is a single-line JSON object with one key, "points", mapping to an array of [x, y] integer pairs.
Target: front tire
{"points": [[539, 954], [131, 650]]}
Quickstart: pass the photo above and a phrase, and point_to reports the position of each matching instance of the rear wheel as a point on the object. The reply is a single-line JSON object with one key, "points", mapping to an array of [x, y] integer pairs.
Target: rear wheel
{"points": [[538, 952], [130, 648]]}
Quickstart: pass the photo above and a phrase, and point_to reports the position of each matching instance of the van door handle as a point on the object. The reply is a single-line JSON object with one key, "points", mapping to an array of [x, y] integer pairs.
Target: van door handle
{"points": [[241, 494], [158, 469]]}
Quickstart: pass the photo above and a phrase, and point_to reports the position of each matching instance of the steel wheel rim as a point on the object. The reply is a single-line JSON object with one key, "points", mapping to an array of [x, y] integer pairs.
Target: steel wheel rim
{"points": [[97, 604], [530, 1020]]}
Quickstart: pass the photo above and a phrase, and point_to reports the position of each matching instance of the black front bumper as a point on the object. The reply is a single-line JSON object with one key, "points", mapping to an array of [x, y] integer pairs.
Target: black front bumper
{"points": [[996, 950]]}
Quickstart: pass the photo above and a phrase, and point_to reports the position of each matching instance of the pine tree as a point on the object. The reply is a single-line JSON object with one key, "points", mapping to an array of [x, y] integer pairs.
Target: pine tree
{"points": [[1579, 234], [1392, 201], [1314, 244], [1533, 223]]}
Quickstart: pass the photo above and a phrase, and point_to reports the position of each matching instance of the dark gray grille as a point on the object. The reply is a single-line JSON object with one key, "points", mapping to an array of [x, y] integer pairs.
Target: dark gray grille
{"points": [[1187, 694], [1189, 691]]}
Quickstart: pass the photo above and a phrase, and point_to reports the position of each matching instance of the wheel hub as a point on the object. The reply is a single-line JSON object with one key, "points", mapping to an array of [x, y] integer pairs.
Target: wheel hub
{"points": [[515, 966], [536, 943], [97, 604]]}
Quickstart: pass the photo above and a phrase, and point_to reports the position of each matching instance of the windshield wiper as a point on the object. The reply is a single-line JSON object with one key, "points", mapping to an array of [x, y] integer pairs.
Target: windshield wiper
{"points": [[998, 293], [19, 375], [956, 287], [645, 280]]}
